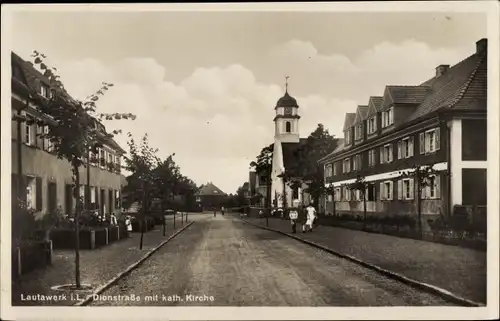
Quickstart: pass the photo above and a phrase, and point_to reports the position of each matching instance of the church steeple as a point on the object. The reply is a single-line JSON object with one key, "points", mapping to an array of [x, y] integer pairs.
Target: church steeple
{"points": [[287, 118]]}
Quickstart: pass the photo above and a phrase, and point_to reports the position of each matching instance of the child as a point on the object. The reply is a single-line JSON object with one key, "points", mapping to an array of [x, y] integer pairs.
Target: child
{"points": [[311, 216]]}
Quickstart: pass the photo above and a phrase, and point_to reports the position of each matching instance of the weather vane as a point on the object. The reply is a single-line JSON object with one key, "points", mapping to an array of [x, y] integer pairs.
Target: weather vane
{"points": [[286, 83]]}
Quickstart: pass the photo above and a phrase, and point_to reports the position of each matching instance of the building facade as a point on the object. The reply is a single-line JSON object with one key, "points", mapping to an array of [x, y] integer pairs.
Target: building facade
{"points": [[210, 197], [441, 122], [48, 179]]}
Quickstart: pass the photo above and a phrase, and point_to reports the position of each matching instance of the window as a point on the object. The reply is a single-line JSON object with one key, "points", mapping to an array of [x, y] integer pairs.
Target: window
{"points": [[330, 198], [405, 148], [372, 125], [347, 194], [110, 161], [386, 190], [386, 154], [338, 194], [47, 144], [432, 190], [356, 162], [358, 132], [405, 189], [371, 192], [387, 118], [429, 141], [347, 136], [328, 170], [346, 166], [28, 134], [31, 192], [357, 195], [102, 157], [335, 169], [288, 127], [371, 158], [45, 91]]}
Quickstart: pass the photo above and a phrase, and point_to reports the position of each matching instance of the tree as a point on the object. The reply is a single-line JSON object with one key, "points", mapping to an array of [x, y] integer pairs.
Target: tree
{"points": [[72, 132], [141, 162], [330, 190], [317, 145], [422, 176], [263, 164], [360, 185]]}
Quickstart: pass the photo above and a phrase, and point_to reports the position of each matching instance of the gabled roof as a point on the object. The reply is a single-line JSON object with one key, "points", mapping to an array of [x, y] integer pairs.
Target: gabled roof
{"points": [[210, 189], [349, 120], [361, 114], [463, 86], [374, 105], [404, 95]]}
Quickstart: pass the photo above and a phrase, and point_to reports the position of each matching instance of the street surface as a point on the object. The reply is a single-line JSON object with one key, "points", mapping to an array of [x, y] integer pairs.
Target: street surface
{"points": [[222, 261]]}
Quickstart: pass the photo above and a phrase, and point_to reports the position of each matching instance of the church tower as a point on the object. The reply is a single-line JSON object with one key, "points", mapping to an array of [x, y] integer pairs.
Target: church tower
{"points": [[286, 121]]}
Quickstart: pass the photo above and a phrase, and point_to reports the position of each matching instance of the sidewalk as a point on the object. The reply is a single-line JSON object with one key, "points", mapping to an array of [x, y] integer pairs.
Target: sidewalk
{"points": [[96, 267], [459, 270]]}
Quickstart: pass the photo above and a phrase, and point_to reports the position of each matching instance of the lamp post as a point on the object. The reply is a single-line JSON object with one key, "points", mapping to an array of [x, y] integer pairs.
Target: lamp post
{"points": [[269, 163]]}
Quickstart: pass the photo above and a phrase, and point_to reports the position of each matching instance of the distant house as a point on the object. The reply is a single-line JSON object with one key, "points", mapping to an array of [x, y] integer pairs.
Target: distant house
{"points": [[441, 121], [210, 196]]}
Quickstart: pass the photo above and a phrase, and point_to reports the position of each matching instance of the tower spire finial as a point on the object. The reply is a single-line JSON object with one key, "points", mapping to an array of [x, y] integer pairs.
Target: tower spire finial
{"points": [[286, 83]]}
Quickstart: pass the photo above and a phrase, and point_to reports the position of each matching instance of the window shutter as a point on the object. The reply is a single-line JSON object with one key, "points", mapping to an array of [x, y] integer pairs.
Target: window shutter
{"points": [[412, 185], [400, 189], [382, 192], [399, 149], [422, 143], [390, 194], [437, 182], [391, 153], [437, 136], [38, 194], [391, 116], [375, 123], [381, 155], [410, 147]]}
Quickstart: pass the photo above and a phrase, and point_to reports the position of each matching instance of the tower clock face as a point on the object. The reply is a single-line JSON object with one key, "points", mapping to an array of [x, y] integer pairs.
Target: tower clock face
{"points": [[288, 110]]}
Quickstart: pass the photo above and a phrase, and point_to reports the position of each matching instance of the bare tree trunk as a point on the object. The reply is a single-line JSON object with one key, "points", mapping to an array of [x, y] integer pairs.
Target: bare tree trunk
{"points": [[87, 187], [364, 209], [20, 179], [143, 210], [77, 226], [419, 206]]}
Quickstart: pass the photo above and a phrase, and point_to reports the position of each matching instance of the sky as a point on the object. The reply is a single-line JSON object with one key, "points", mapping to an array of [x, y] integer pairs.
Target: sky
{"points": [[204, 85]]}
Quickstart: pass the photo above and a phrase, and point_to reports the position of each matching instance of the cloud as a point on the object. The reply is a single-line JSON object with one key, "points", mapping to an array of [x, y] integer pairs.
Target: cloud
{"points": [[218, 118]]}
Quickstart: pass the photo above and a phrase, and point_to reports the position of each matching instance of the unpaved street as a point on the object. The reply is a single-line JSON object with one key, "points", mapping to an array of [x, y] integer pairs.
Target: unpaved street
{"points": [[224, 262]]}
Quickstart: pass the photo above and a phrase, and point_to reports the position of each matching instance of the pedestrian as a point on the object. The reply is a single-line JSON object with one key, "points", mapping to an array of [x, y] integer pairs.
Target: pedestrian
{"points": [[294, 215], [222, 209], [310, 216], [215, 211], [128, 224], [114, 221]]}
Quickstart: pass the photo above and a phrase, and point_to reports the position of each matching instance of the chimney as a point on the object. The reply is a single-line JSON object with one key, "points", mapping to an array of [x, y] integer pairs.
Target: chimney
{"points": [[441, 70], [482, 45]]}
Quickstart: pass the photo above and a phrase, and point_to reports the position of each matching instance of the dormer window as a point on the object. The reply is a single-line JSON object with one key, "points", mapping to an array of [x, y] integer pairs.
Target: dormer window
{"points": [[388, 117], [45, 91], [372, 125], [358, 132], [347, 136]]}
